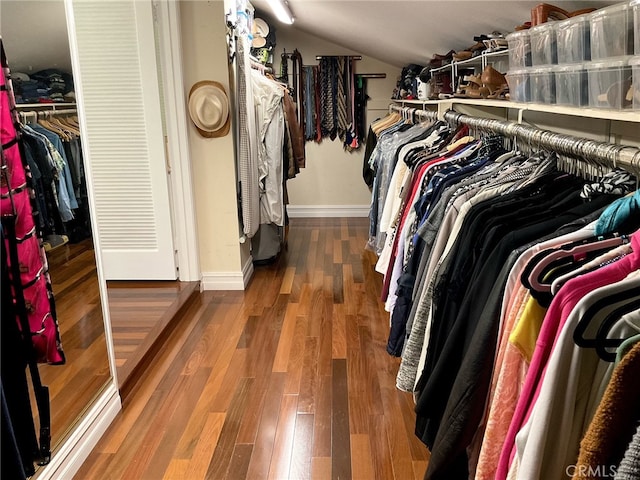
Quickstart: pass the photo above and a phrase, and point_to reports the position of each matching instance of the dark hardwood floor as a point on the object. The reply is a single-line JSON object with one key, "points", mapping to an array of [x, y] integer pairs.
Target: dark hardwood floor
{"points": [[140, 311], [287, 380], [74, 385], [135, 326]]}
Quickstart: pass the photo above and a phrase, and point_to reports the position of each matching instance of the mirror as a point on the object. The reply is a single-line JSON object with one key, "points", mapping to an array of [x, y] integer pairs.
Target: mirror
{"points": [[35, 38]]}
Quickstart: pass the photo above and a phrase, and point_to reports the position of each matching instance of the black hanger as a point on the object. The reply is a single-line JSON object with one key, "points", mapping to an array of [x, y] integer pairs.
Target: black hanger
{"points": [[574, 253], [602, 340], [586, 319], [542, 263]]}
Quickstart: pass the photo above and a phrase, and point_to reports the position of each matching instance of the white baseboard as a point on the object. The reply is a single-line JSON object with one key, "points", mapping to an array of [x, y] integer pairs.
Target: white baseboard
{"points": [[247, 271], [67, 460], [228, 280], [325, 211]]}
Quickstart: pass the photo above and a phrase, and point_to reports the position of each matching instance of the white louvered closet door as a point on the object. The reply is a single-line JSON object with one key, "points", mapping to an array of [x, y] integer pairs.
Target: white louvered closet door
{"points": [[125, 138]]}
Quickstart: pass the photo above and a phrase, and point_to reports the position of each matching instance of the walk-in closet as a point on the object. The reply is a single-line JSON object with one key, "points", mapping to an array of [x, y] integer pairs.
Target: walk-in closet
{"points": [[389, 240]]}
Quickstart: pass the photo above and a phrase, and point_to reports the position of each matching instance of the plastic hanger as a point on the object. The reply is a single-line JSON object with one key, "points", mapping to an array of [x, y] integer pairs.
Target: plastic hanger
{"points": [[578, 252], [602, 342], [605, 258]]}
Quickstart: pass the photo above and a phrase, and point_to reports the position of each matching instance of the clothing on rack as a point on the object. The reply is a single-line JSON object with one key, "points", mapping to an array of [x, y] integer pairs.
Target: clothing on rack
{"points": [[30, 333], [270, 151], [54, 154], [484, 355]]}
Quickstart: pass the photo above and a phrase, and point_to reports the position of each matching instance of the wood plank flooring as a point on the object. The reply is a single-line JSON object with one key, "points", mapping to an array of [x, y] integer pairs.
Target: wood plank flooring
{"points": [[140, 311], [74, 385], [74, 279], [287, 380]]}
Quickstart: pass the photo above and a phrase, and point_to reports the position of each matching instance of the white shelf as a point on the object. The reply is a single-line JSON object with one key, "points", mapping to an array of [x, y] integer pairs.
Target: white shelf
{"points": [[618, 115], [51, 106]]}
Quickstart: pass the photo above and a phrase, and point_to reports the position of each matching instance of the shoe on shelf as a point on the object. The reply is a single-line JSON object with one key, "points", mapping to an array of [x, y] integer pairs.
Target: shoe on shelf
{"points": [[494, 83], [462, 55], [469, 87], [545, 12]]}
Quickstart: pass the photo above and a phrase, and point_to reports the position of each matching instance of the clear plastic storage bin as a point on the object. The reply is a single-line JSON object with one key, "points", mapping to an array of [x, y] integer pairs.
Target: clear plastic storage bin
{"points": [[635, 7], [518, 81], [634, 91], [572, 86], [612, 32], [544, 49], [519, 50], [543, 85], [609, 83], [573, 40]]}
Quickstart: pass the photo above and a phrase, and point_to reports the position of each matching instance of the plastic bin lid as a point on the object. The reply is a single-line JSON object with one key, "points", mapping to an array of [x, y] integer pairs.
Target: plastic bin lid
{"points": [[520, 71], [542, 70], [584, 18], [614, 62], [568, 68], [516, 35], [618, 7], [543, 27]]}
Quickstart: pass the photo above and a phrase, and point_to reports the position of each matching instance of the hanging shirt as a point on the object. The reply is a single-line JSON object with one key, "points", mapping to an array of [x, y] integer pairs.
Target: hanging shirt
{"points": [[270, 127]]}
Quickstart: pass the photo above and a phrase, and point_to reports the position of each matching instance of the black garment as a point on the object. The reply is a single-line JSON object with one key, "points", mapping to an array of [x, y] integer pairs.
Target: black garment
{"points": [[456, 272], [476, 338], [367, 173], [14, 383], [12, 467], [406, 282]]}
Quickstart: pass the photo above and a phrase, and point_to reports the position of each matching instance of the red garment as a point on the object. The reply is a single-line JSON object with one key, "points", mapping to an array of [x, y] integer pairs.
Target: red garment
{"points": [[416, 184], [16, 200]]}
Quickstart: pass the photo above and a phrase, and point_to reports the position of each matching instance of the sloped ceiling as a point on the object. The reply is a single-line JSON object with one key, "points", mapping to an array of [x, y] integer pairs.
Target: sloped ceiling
{"points": [[403, 32], [35, 36]]}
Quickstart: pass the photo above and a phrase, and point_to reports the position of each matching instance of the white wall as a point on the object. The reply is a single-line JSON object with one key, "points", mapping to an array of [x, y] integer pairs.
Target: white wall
{"points": [[205, 58], [332, 175], [34, 34]]}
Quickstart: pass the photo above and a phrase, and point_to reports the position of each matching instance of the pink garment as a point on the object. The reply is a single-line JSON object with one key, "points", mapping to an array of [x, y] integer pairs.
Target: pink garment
{"points": [[16, 199], [509, 372], [415, 190], [560, 308]]}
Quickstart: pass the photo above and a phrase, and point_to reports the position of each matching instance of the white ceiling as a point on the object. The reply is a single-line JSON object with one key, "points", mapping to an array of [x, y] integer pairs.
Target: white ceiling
{"points": [[403, 32], [34, 34]]}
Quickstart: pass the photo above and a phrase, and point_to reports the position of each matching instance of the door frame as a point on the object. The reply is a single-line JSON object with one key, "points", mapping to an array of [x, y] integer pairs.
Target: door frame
{"points": [[181, 191]]}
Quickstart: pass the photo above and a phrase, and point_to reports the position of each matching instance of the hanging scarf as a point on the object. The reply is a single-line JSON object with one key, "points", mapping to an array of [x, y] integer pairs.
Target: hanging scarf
{"points": [[327, 97], [309, 102], [341, 99], [318, 96]]}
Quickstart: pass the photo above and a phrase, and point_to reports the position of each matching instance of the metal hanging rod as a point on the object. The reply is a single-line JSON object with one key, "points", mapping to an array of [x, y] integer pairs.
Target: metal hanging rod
{"points": [[352, 57], [608, 154], [46, 106], [371, 75], [25, 114], [409, 112]]}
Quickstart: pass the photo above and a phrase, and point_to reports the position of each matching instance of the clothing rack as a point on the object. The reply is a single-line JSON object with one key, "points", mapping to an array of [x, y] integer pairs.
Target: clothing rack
{"points": [[603, 153], [257, 65], [410, 112], [371, 75], [352, 57], [262, 68], [35, 113]]}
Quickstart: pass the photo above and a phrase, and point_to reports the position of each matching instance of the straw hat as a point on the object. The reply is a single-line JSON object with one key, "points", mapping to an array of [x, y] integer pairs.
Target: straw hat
{"points": [[259, 30], [209, 108]]}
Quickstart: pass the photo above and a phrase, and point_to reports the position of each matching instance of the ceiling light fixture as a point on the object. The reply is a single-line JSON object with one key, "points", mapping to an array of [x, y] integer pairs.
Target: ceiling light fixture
{"points": [[281, 10]]}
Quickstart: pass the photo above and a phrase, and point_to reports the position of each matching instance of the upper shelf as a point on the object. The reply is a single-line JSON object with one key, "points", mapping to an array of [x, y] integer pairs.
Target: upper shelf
{"points": [[624, 116]]}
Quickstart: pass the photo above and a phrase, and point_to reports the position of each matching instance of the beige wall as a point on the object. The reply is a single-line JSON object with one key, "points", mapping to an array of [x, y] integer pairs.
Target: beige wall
{"points": [[334, 176], [205, 58]]}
